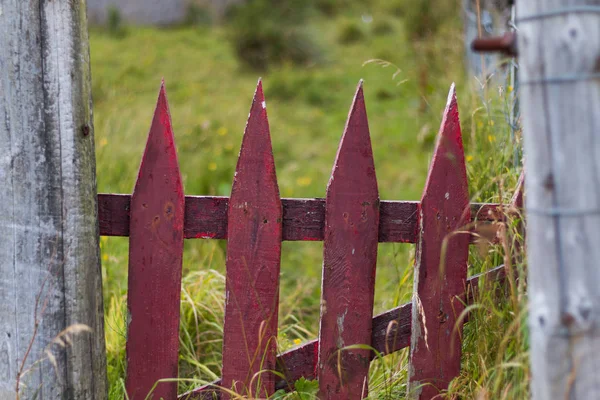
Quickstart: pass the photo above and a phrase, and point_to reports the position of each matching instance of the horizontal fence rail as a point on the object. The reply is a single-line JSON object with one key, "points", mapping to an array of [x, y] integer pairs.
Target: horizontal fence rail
{"points": [[254, 220], [303, 219]]}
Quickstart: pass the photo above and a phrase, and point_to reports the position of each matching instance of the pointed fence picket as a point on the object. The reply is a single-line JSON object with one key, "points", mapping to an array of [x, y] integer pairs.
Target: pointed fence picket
{"points": [[351, 221], [155, 261], [442, 253], [253, 257], [349, 260]]}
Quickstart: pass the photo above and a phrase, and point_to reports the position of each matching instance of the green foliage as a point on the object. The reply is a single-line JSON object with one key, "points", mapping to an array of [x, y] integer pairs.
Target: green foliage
{"points": [[382, 26], [306, 387], [332, 8], [424, 18], [394, 8], [313, 89], [114, 22], [197, 15], [350, 32], [265, 33], [303, 390]]}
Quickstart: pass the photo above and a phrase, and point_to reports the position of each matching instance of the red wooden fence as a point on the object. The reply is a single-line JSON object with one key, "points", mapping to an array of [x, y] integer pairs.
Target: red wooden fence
{"points": [[255, 220]]}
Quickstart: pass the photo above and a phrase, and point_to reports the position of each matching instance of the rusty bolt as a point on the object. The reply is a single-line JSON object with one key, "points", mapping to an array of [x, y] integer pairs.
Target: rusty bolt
{"points": [[506, 44]]}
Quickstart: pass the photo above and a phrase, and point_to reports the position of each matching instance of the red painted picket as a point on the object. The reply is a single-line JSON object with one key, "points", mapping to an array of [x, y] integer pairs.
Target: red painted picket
{"points": [[349, 260], [253, 259], [155, 258], [441, 264], [254, 220]]}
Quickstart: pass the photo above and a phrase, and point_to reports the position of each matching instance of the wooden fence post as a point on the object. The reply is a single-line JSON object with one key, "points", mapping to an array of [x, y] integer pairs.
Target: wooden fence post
{"points": [[441, 264], [50, 277], [559, 47]]}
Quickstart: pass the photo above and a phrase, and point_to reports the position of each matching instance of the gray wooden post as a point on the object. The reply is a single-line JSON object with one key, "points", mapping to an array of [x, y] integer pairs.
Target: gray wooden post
{"points": [[494, 17], [50, 277], [560, 103]]}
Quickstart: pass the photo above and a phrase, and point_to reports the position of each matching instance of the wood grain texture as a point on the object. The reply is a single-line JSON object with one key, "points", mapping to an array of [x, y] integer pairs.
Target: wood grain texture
{"points": [[253, 262], [303, 219], [561, 124], [50, 276], [155, 261], [440, 270], [390, 333], [349, 262]]}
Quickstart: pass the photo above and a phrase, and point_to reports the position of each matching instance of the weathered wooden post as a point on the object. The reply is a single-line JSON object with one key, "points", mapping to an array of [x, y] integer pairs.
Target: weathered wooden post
{"points": [[559, 47], [51, 313], [485, 18]]}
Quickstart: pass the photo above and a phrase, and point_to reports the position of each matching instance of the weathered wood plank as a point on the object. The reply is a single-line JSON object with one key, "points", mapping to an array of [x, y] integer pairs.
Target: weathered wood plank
{"points": [[391, 332], [155, 262], [560, 99], [303, 219], [349, 262], [253, 262], [50, 276], [440, 270]]}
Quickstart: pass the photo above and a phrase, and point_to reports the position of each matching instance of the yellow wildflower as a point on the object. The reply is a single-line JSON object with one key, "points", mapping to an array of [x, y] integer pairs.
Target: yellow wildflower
{"points": [[212, 166], [103, 142], [297, 341], [222, 131], [303, 181], [104, 257], [469, 158], [491, 138]]}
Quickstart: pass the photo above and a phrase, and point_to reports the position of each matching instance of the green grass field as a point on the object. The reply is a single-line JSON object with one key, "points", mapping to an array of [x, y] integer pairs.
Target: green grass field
{"points": [[210, 95]]}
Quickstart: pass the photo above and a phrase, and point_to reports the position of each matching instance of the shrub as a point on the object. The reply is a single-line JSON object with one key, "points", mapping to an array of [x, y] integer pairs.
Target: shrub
{"points": [[350, 32], [114, 22], [197, 15], [270, 32], [332, 7], [424, 18], [382, 27]]}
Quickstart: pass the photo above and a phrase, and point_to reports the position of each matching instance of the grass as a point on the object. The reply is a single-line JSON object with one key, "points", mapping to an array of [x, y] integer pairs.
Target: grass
{"points": [[210, 94]]}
